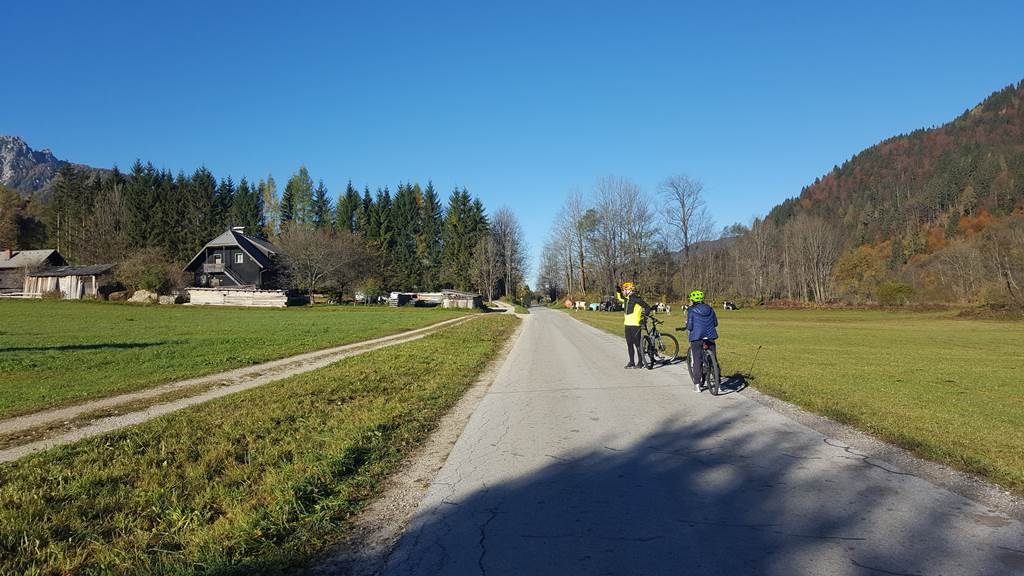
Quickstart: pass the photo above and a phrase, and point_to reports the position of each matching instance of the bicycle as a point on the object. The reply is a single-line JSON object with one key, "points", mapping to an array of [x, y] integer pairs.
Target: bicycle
{"points": [[656, 347], [711, 371]]}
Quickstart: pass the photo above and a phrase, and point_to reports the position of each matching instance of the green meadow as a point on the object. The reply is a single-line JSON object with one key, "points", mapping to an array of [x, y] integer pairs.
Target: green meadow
{"points": [[261, 481], [54, 353], [947, 388]]}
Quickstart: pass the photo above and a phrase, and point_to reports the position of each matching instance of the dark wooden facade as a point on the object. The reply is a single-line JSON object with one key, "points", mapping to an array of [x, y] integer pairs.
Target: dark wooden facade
{"points": [[234, 259], [15, 264]]}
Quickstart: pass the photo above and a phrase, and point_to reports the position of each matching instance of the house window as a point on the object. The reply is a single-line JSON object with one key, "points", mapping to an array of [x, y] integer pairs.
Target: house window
{"points": [[217, 259], [238, 257]]}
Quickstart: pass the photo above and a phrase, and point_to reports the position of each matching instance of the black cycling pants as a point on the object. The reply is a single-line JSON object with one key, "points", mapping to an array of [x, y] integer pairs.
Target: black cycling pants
{"points": [[696, 360], [633, 342]]}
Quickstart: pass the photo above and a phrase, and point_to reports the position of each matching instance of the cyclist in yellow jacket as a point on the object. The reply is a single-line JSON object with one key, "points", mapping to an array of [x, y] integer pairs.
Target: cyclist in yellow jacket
{"points": [[633, 307]]}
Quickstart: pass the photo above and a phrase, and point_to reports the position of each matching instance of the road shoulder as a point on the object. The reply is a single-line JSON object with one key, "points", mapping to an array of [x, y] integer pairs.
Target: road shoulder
{"points": [[376, 531]]}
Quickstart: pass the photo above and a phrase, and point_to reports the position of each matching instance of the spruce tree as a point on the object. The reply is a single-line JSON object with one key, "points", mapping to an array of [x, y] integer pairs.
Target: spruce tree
{"points": [[247, 209], [364, 215], [428, 242], [321, 207], [456, 249], [348, 207], [286, 208], [222, 205], [404, 223]]}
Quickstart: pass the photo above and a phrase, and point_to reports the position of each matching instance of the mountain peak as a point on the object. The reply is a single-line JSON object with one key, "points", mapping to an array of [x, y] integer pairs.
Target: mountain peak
{"points": [[26, 170]]}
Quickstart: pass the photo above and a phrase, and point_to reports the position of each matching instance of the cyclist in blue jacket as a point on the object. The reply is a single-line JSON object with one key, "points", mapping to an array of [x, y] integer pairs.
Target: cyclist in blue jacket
{"points": [[700, 323]]}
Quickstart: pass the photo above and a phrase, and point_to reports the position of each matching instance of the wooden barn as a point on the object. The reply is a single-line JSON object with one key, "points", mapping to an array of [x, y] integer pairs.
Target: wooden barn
{"points": [[235, 260], [73, 282], [16, 264]]}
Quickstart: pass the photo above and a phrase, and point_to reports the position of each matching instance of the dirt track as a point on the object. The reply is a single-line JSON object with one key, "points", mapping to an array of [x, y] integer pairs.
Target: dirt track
{"points": [[207, 388]]}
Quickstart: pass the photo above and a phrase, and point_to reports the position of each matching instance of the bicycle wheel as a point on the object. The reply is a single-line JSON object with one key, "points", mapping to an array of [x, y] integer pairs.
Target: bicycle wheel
{"points": [[668, 347], [714, 373], [650, 353]]}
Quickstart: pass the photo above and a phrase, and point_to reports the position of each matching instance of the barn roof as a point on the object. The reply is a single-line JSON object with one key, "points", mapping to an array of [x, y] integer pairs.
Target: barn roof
{"points": [[62, 271], [26, 258], [259, 250]]}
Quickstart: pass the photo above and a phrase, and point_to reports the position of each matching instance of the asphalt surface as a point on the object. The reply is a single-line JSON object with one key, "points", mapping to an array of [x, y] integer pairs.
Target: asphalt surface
{"points": [[572, 465]]}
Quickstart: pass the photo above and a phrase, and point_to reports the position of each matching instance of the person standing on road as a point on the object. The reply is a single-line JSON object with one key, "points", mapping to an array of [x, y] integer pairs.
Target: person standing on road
{"points": [[633, 308], [701, 324]]}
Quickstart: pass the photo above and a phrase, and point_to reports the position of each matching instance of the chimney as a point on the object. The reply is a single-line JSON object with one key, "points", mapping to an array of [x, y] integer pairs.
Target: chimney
{"points": [[239, 229], [10, 253]]}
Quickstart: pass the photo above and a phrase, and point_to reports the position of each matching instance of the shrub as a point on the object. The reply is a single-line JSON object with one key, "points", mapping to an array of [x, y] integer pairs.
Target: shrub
{"points": [[894, 293], [149, 269]]}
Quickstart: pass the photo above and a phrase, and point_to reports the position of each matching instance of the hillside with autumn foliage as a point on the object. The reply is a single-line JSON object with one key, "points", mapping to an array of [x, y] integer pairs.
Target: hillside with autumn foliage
{"points": [[970, 166], [931, 217]]}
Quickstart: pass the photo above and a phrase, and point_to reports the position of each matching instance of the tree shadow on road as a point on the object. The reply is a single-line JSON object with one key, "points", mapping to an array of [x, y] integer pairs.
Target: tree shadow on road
{"points": [[717, 496]]}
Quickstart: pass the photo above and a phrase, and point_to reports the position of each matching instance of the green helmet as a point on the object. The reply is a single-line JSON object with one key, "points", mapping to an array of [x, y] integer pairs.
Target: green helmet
{"points": [[696, 296]]}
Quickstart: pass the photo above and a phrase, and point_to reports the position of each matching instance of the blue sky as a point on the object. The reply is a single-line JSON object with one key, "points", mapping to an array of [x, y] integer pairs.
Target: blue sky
{"points": [[519, 102]]}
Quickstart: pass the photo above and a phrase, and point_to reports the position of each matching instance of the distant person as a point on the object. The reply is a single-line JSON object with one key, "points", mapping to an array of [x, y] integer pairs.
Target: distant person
{"points": [[701, 322], [633, 309]]}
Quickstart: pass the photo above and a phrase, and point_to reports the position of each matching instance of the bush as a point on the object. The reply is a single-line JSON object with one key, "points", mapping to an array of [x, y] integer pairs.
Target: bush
{"points": [[149, 269], [894, 293]]}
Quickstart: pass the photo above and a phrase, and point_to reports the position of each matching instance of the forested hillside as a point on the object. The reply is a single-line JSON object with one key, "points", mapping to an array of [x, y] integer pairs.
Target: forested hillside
{"points": [[937, 209]]}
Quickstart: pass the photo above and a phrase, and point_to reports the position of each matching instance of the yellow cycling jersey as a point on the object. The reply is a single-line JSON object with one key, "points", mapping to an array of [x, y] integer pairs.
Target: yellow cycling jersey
{"points": [[632, 308]]}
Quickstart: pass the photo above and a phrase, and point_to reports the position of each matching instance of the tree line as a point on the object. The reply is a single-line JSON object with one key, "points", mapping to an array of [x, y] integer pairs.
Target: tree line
{"points": [[614, 234], [406, 240]]}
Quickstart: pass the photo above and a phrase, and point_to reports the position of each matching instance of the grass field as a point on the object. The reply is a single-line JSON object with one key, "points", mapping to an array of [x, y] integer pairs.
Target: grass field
{"points": [[55, 353], [256, 482], [949, 389]]}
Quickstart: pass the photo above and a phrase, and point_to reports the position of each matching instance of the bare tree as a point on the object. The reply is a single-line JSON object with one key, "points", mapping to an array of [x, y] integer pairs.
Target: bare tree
{"points": [[608, 233], [508, 237], [487, 268], [639, 229], [817, 244], [551, 278], [574, 225], [686, 211], [314, 258]]}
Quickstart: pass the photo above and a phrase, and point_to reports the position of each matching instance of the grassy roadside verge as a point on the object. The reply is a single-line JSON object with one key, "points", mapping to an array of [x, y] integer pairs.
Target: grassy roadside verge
{"points": [[59, 353], [254, 482], [948, 389]]}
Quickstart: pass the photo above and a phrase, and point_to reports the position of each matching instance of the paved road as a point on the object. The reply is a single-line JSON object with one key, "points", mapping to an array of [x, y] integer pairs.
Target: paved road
{"points": [[572, 465]]}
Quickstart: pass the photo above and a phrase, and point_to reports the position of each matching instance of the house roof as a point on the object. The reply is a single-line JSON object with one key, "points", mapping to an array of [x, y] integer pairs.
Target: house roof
{"points": [[259, 250], [26, 258], [62, 271]]}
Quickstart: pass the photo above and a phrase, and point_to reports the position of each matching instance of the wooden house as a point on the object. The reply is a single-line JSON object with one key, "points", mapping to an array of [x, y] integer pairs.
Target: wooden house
{"points": [[16, 264], [235, 260]]}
